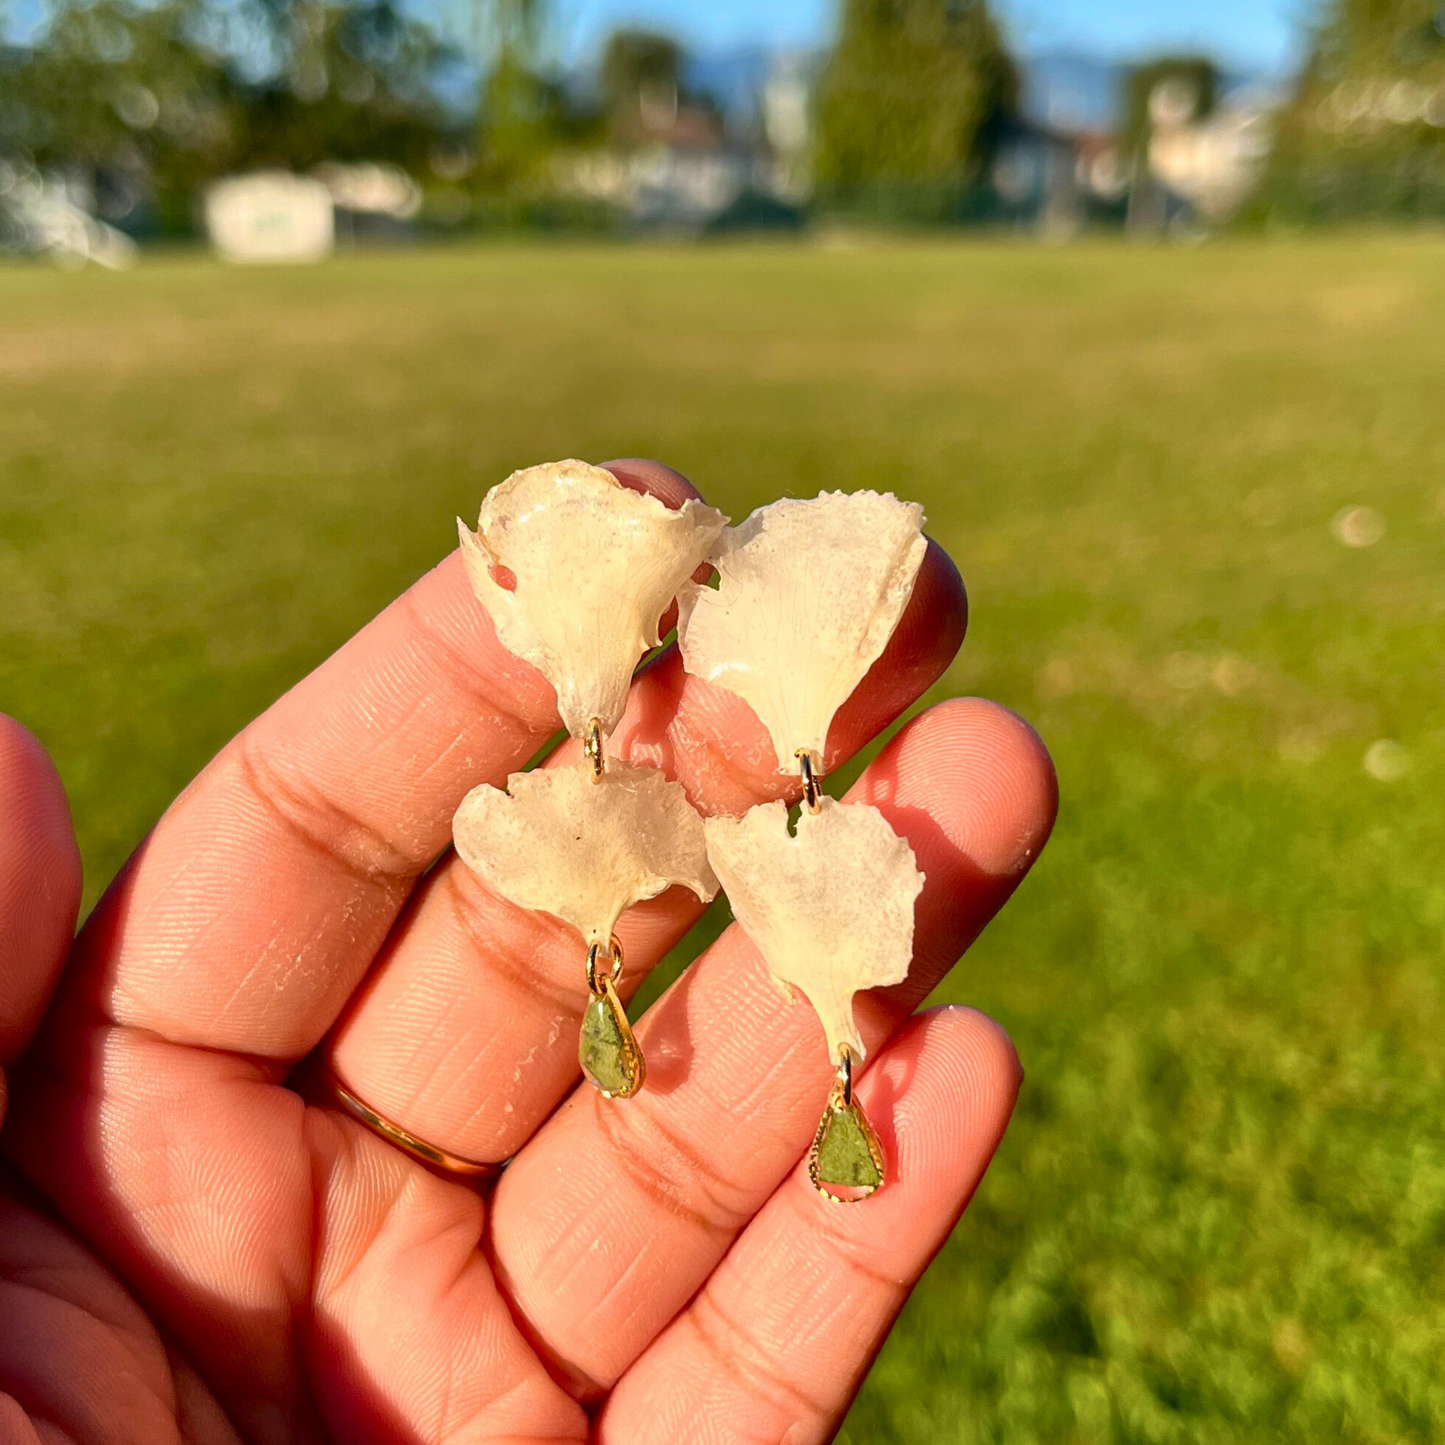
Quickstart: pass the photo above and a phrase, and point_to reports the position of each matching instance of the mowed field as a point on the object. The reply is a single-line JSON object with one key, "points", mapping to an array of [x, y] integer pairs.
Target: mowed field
{"points": [[1220, 1213]]}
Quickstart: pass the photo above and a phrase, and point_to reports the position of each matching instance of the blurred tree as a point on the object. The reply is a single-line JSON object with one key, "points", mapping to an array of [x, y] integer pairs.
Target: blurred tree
{"points": [[1379, 39], [1364, 134], [521, 113], [358, 81], [909, 91], [127, 95], [155, 98], [641, 77]]}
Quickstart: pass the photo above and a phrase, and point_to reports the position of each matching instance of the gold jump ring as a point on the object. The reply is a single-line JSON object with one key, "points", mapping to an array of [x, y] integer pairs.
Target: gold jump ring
{"points": [[593, 952], [592, 746], [812, 790]]}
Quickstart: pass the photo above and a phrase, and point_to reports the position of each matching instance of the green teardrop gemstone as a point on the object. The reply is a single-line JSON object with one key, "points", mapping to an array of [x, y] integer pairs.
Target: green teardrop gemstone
{"points": [[844, 1157], [606, 1049]]}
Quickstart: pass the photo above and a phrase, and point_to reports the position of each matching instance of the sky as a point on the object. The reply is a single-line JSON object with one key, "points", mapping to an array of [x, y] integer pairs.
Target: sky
{"points": [[1253, 35]]}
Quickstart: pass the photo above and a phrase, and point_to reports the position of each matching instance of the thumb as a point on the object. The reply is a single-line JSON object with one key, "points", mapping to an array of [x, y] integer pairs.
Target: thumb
{"points": [[39, 886]]}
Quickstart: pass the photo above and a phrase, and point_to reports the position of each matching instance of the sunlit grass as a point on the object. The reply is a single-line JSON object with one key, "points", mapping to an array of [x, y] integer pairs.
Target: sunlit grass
{"points": [[1220, 1214]]}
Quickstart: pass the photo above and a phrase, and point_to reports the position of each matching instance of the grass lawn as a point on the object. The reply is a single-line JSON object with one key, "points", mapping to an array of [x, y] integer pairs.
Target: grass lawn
{"points": [[1220, 1213]]}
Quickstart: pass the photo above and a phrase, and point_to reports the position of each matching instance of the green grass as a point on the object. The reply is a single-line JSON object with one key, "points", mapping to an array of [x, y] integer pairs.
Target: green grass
{"points": [[1220, 1213]]}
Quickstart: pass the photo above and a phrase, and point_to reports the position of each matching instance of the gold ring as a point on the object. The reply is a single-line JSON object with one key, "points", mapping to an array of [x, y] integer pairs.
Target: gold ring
{"points": [[431, 1154]]}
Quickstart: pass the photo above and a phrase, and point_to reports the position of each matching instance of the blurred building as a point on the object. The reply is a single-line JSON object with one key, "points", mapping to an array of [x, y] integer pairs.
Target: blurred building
{"points": [[1058, 165], [787, 115], [1057, 180], [1215, 162], [275, 216], [685, 165], [1201, 162], [370, 200], [269, 216]]}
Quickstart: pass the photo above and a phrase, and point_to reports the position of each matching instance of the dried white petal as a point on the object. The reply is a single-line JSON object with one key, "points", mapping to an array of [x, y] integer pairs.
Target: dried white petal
{"points": [[830, 910], [584, 850], [596, 565], [810, 594]]}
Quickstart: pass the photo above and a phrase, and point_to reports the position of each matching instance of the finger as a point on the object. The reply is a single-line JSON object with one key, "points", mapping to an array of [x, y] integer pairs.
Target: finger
{"points": [[306, 1265], [609, 1220], [643, 474], [186, 1166], [39, 886], [248, 916], [409, 1339], [186, 1169], [669, 485], [776, 1343], [464, 1034], [78, 1354]]}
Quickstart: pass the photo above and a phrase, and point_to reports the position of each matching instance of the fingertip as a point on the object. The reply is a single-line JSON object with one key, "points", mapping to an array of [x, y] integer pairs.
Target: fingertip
{"points": [[924, 643], [984, 777], [942, 1093], [964, 1061], [986, 1060], [672, 489], [933, 625], [40, 882], [642, 474], [804, 1297], [940, 600], [29, 779]]}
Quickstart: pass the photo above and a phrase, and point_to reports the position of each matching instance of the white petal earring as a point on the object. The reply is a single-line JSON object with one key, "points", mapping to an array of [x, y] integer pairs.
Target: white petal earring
{"points": [[576, 571], [584, 850], [809, 594]]}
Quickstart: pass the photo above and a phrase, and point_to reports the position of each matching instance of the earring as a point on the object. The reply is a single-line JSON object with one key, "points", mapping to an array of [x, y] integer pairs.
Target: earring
{"points": [[576, 571], [829, 907], [584, 845]]}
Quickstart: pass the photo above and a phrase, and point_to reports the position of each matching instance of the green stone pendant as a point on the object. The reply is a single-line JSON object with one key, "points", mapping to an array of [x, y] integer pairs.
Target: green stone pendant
{"points": [[607, 1050], [846, 1153]]}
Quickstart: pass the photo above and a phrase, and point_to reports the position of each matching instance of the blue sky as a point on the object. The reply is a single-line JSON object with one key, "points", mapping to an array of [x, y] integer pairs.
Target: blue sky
{"points": [[1250, 34]]}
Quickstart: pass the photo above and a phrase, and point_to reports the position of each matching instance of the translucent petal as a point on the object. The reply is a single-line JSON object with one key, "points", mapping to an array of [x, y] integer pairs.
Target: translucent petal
{"points": [[595, 565], [584, 850], [810, 594], [830, 910]]}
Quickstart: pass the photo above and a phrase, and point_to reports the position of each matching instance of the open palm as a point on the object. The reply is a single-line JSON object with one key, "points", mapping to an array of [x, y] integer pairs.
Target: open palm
{"points": [[190, 1250]]}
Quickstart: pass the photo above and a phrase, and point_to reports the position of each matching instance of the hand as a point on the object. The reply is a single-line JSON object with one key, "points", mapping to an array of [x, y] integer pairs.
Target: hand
{"points": [[655, 1270]]}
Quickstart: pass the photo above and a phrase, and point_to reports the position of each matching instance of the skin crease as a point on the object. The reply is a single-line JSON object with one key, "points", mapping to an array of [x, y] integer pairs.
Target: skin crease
{"points": [[188, 1251]]}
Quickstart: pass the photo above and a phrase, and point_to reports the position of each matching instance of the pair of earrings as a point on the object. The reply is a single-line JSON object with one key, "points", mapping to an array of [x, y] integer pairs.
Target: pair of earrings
{"points": [[576, 571]]}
